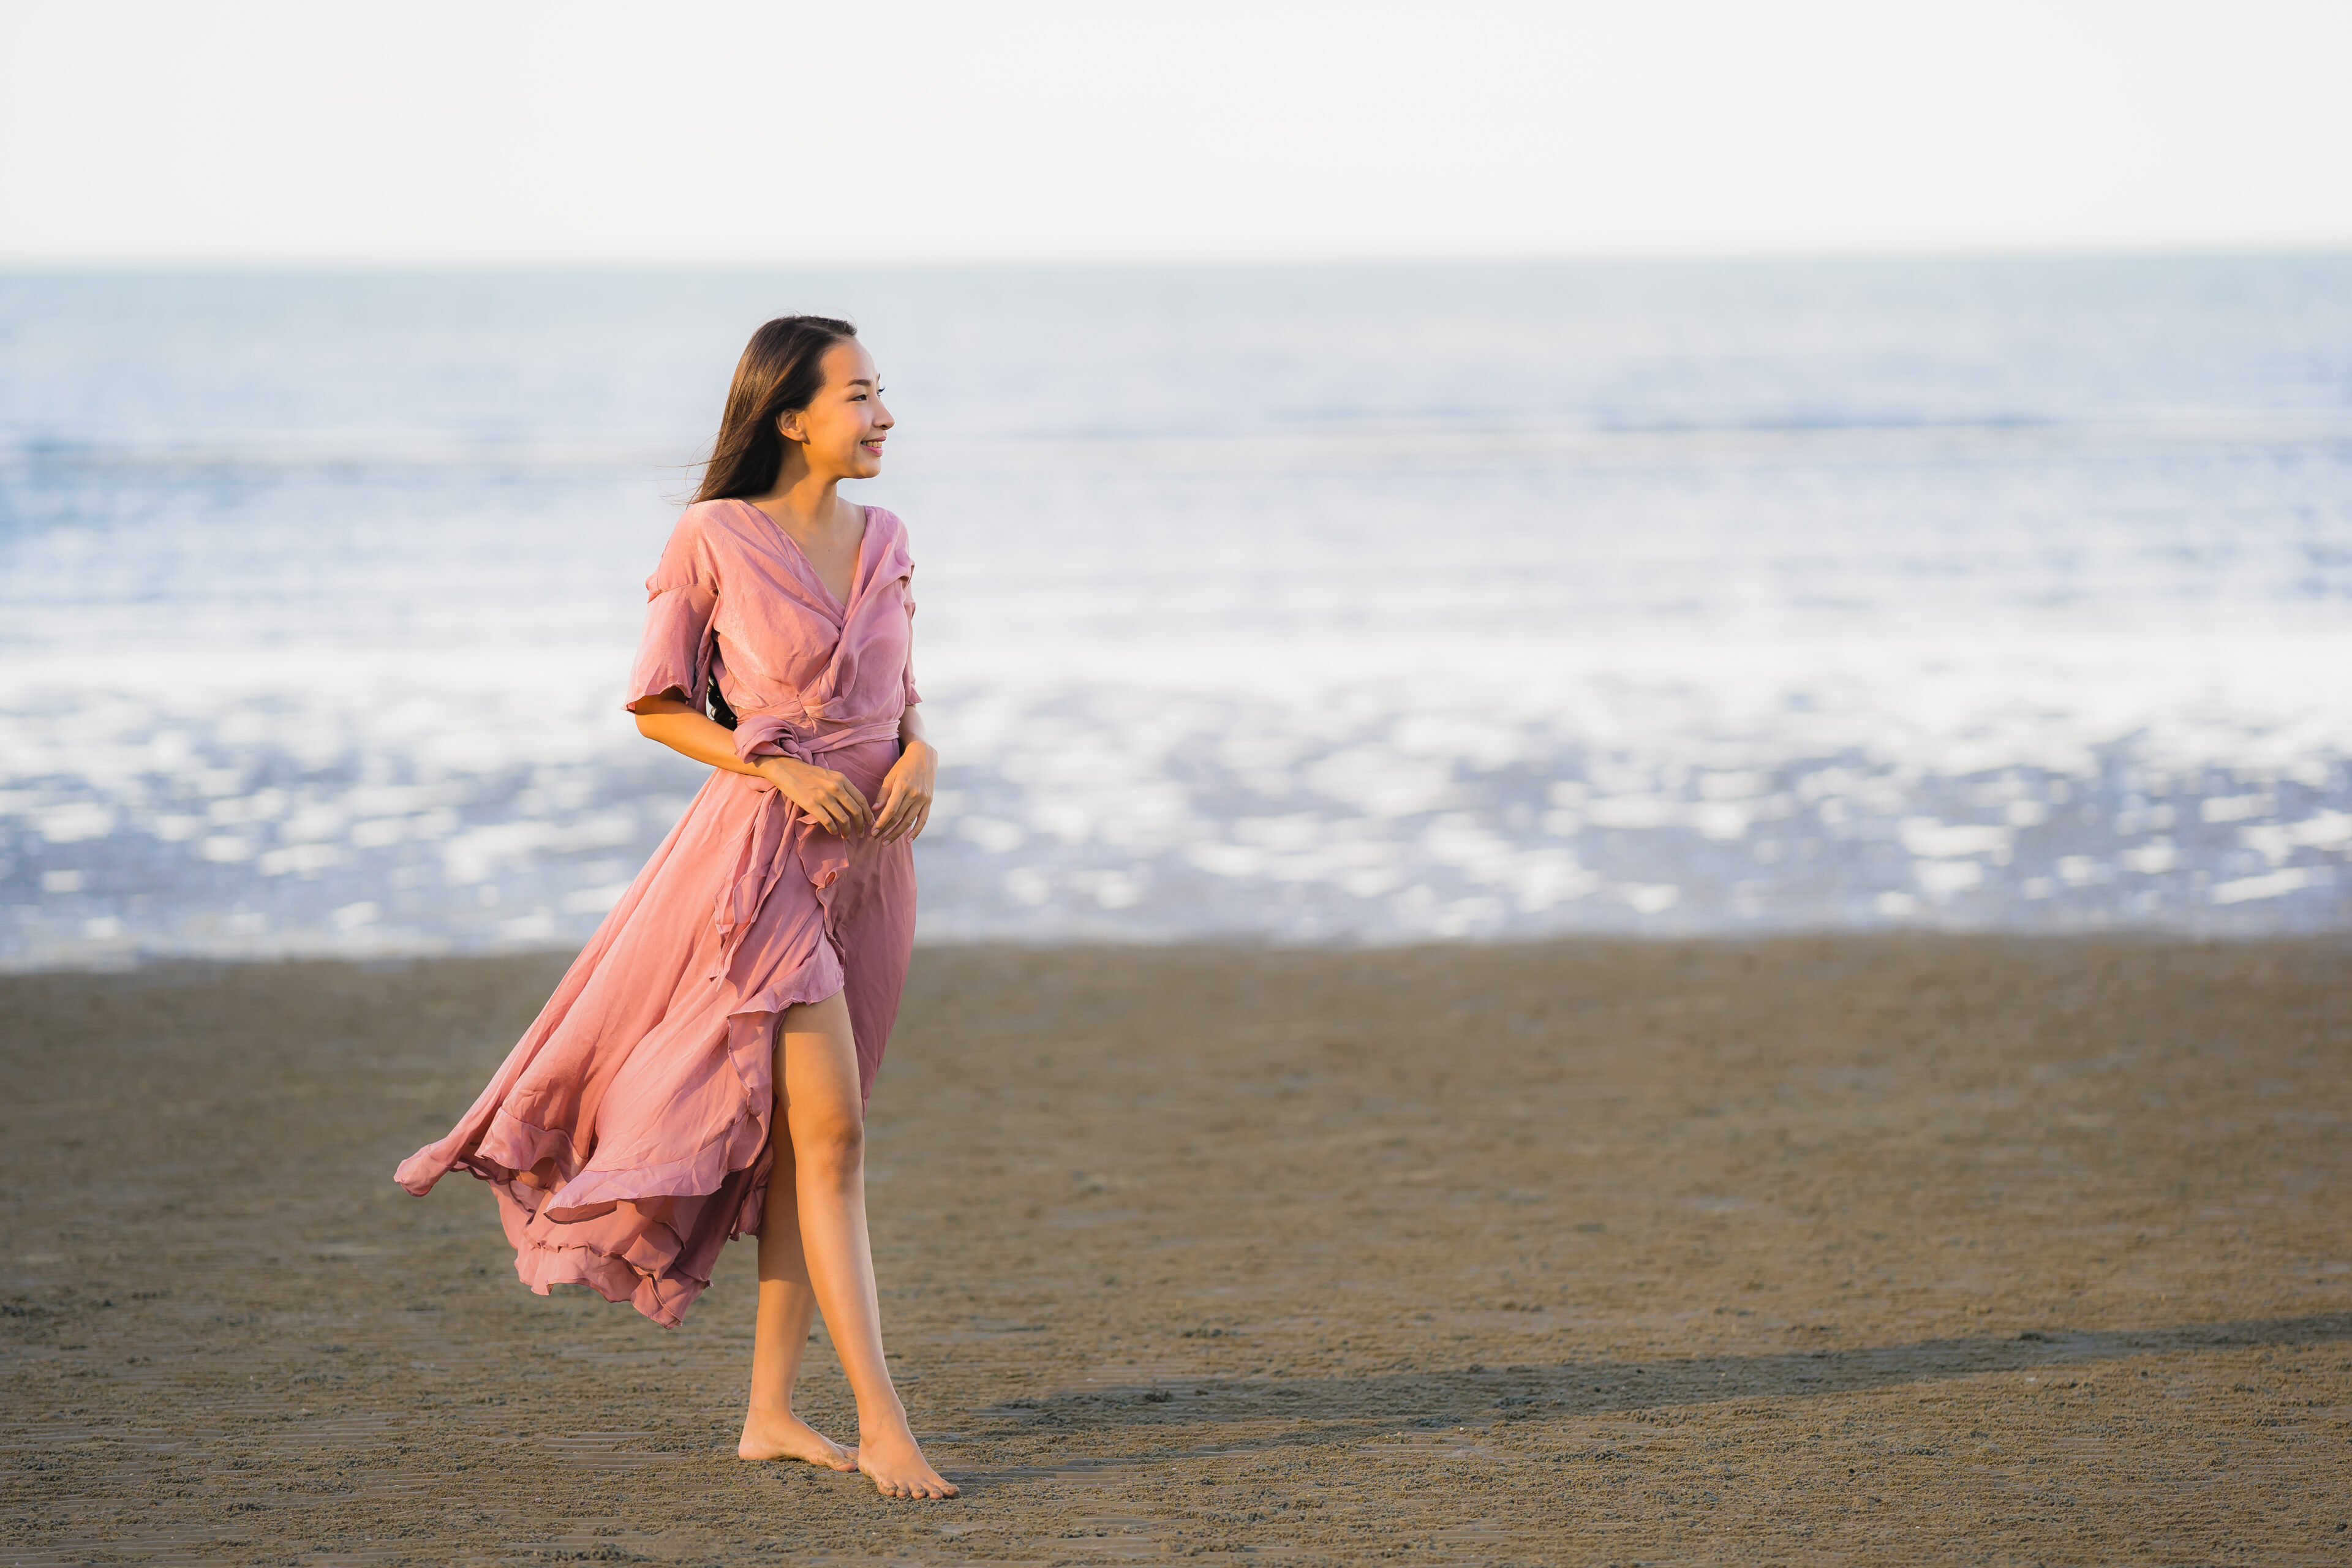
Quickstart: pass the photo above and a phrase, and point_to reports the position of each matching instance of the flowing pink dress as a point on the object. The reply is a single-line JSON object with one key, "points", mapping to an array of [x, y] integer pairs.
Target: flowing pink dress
{"points": [[626, 1135]]}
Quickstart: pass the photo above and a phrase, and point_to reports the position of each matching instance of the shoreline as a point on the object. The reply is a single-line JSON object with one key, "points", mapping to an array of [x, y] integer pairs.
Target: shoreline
{"points": [[1249, 942]]}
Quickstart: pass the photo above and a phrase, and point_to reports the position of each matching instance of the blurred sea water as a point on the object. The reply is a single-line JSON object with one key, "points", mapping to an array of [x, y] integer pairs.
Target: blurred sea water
{"points": [[1310, 605]]}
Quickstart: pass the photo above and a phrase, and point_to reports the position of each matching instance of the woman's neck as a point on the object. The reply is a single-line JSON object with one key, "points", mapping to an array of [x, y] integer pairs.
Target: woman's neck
{"points": [[804, 503]]}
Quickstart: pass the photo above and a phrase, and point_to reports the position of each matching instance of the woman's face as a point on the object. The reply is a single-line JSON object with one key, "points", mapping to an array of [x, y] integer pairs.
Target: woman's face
{"points": [[841, 432]]}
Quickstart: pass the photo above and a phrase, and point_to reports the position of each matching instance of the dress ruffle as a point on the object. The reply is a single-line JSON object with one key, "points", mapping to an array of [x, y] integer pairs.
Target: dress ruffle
{"points": [[625, 1158]]}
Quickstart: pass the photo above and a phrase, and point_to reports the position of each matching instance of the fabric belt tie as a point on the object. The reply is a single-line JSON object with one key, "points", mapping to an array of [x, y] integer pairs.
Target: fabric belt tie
{"points": [[780, 832]]}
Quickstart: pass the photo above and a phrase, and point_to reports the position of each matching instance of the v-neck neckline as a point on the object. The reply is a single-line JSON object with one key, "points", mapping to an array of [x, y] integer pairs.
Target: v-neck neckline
{"points": [[856, 560]]}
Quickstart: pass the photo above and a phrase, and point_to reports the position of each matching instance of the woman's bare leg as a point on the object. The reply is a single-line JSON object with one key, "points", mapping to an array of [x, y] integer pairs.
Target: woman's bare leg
{"points": [[787, 1308], [825, 1115]]}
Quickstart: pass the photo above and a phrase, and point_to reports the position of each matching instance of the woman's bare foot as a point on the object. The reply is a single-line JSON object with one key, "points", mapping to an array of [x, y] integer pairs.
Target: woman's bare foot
{"points": [[789, 1437], [897, 1467]]}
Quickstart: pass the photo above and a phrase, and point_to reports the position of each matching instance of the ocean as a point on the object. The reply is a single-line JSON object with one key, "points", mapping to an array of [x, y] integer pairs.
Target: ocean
{"points": [[1305, 605]]}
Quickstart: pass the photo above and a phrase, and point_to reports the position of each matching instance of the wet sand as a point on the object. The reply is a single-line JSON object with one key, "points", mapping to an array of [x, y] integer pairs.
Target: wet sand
{"points": [[1810, 1250]]}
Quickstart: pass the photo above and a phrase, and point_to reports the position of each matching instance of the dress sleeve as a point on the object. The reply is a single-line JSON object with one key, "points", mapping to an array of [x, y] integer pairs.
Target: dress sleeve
{"points": [[674, 654]]}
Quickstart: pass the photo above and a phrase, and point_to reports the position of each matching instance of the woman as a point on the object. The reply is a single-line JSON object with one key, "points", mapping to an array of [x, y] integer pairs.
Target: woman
{"points": [[703, 1068]]}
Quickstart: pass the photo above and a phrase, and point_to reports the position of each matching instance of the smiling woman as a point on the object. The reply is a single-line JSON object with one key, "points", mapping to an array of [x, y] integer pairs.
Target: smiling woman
{"points": [[703, 1069]]}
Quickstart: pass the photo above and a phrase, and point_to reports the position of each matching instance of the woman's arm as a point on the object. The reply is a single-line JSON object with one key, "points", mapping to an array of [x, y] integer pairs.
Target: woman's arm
{"points": [[828, 796], [907, 787]]}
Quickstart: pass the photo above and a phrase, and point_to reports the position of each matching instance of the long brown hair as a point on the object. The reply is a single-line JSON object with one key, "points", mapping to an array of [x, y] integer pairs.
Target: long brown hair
{"points": [[781, 370]]}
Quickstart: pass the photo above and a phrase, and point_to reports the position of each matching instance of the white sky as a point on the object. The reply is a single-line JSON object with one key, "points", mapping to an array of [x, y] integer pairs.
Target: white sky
{"points": [[730, 131]]}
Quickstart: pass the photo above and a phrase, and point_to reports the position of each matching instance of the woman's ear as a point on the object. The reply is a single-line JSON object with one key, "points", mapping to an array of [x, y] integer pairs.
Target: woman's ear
{"points": [[788, 425]]}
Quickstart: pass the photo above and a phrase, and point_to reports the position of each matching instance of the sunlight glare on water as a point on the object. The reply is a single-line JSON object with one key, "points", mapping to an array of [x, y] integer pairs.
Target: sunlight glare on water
{"points": [[1320, 605]]}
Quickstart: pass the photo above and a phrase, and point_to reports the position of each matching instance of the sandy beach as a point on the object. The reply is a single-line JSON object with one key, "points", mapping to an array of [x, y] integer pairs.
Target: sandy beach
{"points": [[1884, 1249]]}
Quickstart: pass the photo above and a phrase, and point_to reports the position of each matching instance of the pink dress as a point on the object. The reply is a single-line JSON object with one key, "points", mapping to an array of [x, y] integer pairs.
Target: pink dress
{"points": [[626, 1135]]}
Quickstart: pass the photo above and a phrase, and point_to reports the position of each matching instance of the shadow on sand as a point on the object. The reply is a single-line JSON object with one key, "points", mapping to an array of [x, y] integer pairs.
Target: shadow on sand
{"points": [[1350, 1409]]}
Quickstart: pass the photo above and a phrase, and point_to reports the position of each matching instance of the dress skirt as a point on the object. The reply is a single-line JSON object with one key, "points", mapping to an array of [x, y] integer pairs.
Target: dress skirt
{"points": [[627, 1136]]}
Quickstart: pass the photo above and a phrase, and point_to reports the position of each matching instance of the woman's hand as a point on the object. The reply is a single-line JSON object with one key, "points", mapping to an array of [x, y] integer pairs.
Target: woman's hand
{"points": [[906, 791], [830, 799]]}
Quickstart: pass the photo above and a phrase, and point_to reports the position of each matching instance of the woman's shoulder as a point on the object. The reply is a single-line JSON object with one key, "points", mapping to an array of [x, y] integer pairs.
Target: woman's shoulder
{"points": [[704, 516], [712, 528], [696, 547], [893, 527], [885, 528]]}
